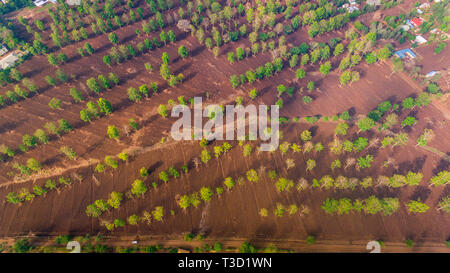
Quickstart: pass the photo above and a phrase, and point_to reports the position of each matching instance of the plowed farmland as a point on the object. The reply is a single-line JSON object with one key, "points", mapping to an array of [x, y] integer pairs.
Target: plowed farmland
{"points": [[360, 159]]}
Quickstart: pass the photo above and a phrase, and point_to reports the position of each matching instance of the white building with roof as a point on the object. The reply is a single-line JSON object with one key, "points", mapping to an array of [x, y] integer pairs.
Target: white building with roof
{"points": [[9, 60], [40, 3], [3, 50], [420, 39], [73, 2]]}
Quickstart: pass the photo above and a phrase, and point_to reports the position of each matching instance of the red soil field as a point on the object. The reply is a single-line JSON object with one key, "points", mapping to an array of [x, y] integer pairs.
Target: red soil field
{"points": [[234, 214]]}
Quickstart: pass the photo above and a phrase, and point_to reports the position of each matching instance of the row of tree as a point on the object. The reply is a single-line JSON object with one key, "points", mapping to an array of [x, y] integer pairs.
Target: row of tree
{"points": [[25, 195]]}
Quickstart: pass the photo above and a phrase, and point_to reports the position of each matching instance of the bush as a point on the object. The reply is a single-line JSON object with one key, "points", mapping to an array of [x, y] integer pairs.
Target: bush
{"points": [[22, 246], [310, 240]]}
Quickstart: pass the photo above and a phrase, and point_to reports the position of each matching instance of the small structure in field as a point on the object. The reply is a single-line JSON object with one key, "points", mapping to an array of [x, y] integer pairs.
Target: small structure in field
{"points": [[420, 39], [374, 2], [405, 27], [407, 52], [3, 50], [9, 60], [73, 2], [416, 22], [424, 6], [351, 6], [180, 250], [40, 3], [431, 74]]}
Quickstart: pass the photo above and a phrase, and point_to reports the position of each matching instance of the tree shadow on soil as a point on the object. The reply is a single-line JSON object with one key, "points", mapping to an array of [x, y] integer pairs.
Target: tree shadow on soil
{"points": [[8, 126], [149, 120], [128, 38], [190, 76], [154, 167], [415, 166], [74, 58], [182, 68], [51, 161], [32, 73], [420, 192], [442, 166], [196, 51]]}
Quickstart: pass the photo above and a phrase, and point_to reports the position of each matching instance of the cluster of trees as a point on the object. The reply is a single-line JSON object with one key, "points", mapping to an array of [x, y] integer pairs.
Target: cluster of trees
{"points": [[415, 206], [95, 110], [26, 195], [259, 19], [125, 52], [261, 47], [422, 99], [102, 82], [157, 214], [138, 189], [324, 26], [100, 206], [280, 210], [371, 205], [19, 93], [40, 136], [68, 27], [57, 60], [221, 149], [442, 178], [250, 76], [194, 199], [136, 94], [341, 182], [206, 193], [10, 75]]}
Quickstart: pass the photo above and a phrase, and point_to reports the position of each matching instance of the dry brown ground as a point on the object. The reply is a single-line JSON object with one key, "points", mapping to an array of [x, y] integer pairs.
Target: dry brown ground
{"points": [[235, 213]]}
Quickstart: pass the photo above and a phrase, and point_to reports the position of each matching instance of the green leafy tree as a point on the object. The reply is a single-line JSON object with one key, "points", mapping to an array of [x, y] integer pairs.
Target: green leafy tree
{"points": [[52, 59], [113, 38], [325, 68], [205, 156], [414, 206], [34, 165], [138, 188], [408, 121], [93, 85], [164, 176], [88, 48], [134, 95], [183, 52], [365, 124], [112, 132], [206, 193], [442, 178], [364, 162], [162, 110], [110, 161], [114, 200], [76, 95], [40, 135], [300, 73], [69, 152], [105, 106], [306, 135], [229, 183]]}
